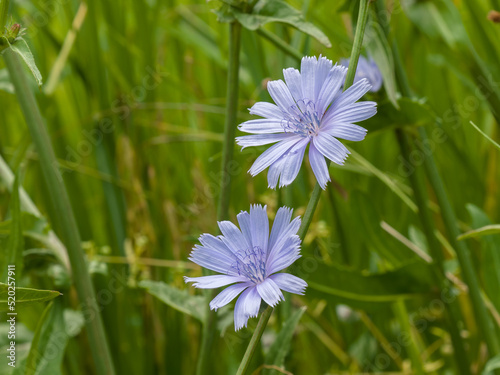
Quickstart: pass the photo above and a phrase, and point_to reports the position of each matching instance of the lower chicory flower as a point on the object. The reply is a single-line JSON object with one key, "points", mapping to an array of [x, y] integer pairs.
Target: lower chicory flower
{"points": [[249, 259]]}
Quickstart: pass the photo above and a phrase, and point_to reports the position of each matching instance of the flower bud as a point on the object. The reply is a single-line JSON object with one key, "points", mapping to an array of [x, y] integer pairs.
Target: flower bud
{"points": [[13, 32]]}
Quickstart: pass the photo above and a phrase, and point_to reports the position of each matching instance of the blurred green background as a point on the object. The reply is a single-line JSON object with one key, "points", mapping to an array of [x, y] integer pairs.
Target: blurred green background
{"points": [[134, 100]]}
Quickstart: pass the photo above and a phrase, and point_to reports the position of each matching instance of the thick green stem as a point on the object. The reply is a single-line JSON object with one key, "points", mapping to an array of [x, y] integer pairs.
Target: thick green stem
{"points": [[63, 213], [311, 208], [358, 43], [209, 327], [4, 11], [230, 124], [254, 341]]}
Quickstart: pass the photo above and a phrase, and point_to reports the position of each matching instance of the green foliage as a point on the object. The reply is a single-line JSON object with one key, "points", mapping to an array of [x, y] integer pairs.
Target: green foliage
{"points": [[267, 11], [21, 48], [49, 343], [281, 345], [25, 296], [135, 114], [180, 300]]}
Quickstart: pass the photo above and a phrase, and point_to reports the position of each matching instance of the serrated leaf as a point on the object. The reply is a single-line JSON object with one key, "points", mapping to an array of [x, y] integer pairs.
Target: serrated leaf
{"points": [[281, 345], [278, 11], [178, 299], [25, 296], [23, 50]]}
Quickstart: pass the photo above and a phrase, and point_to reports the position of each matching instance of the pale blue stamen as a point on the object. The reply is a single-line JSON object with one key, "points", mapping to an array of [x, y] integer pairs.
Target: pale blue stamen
{"points": [[251, 263], [302, 119]]}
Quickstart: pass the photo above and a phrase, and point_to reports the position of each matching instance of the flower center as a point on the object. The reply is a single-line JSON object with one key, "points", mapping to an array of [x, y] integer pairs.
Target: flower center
{"points": [[302, 119], [251, 263]]}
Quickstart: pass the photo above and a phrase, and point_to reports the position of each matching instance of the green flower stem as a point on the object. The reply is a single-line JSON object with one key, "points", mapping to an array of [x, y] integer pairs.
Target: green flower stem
{"points": [[254, 341], [230, 123], [358, 43], [209, 327], [311, 208], [63, 213]]}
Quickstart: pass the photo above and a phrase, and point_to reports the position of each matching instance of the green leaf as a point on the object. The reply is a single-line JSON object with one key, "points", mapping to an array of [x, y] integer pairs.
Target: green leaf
{"points": [[379, 49], [25, 296], [483, 231], [178, 299], [22, 49], [266, 11], [281, 345], [48, 346], [491, 365]]}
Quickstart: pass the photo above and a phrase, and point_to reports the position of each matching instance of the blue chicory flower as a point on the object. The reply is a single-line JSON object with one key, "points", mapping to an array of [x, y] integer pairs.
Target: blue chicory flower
{"points": [[366, 69], [249, 259], [310, 109]]}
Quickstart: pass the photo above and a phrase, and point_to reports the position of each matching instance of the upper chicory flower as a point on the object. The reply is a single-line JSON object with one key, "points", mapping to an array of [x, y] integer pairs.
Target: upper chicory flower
{"points": [[310, 109], [366, 69], [249, 259]]}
